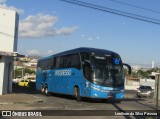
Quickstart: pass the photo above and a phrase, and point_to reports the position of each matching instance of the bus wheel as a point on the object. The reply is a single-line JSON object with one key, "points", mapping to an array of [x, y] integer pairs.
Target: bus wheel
{"points": [[42, 89], [77, 94], [46, 91]]}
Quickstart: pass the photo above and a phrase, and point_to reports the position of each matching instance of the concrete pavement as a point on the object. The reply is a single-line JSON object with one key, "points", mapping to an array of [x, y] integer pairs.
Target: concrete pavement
{"points": [[19, 98], [26, 96], [20, 95], [26, 99]]}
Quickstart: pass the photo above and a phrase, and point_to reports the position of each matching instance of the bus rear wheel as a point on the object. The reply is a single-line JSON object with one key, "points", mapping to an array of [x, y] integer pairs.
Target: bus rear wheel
{"points": [[42, 89], [46, 91], [77, 94]]}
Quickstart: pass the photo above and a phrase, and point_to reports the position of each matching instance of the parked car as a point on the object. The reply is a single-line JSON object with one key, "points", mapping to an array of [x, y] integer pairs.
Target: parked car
{"points": [[145, 91], [24, 82], [15, 81]]}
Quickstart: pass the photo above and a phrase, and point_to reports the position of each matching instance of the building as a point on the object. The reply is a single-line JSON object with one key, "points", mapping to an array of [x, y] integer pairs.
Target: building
{"points": [[8, 47], [153, 75], [152, 64], [25, 63]]}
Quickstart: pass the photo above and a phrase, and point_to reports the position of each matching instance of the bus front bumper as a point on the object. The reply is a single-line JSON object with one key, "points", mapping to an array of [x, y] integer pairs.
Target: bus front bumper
{"points": [[107, 94]]}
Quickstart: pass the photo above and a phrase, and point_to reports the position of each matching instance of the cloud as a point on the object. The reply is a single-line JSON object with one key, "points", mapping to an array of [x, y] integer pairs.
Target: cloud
{"points": [[50, 52], [42, 25], [40, 53], [4, 5], [83, 35], [98, 37], [2, 1], [90, 38], [33, 52]]}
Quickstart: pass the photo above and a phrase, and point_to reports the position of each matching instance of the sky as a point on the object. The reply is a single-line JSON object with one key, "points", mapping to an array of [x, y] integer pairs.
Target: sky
{"points": [[51, 26]]}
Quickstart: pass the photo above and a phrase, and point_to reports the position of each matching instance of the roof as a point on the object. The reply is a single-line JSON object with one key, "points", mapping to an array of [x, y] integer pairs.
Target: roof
{"points": [[84, 49], [11, 54]]}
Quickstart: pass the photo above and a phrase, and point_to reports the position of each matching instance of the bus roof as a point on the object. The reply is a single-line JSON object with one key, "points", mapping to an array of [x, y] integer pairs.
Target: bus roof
{"points": [[83, 49]]}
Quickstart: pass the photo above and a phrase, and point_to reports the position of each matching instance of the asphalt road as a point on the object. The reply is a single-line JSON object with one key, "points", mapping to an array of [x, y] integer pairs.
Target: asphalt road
{"points": [[64, 102], [62, 105]]}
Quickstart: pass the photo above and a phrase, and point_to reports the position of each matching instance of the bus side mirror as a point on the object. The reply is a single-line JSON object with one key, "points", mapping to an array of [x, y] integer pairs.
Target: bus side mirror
{"points": [[129, 68], [86, 62], [83, 63]]}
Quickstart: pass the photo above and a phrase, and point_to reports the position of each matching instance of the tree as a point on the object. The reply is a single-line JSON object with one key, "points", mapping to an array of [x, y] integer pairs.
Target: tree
{"points": [[142, 74], [19, 72]]}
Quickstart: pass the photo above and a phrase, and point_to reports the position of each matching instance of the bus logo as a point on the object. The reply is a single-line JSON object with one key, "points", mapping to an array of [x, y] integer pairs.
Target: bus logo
{"points": [[116, 61], [63, 73]]}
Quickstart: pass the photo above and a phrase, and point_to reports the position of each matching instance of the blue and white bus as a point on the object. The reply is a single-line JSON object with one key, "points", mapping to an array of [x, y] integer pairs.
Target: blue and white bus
{"points": [[82, 72]]}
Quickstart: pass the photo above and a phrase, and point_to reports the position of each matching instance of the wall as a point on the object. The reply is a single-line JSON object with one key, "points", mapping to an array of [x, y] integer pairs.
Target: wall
{"points": [[157, 90], [148, 82], [8, 30], [133, 85], [8, 43], [1, 76], [6, 66]]}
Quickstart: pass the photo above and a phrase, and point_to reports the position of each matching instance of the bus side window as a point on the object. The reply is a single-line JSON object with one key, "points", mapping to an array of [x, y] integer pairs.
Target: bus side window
{"points": [[53, 63], [61, 62], [58, 62], [42, 64], [75, 62], [87, 71], [67, 61], [85, 56], [48, 64], [39, 65]]}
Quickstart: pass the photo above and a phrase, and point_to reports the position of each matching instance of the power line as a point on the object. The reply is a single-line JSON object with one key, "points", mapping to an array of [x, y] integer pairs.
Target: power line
{"points": [[150, 10], [113, 11]]}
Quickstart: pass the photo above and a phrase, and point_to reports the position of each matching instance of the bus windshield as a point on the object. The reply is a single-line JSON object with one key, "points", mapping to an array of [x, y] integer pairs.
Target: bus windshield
{"points": [[108, 71]]}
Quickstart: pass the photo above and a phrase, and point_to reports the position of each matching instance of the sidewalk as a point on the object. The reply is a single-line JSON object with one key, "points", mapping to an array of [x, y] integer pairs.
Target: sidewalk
{"points": [[19, 98]]}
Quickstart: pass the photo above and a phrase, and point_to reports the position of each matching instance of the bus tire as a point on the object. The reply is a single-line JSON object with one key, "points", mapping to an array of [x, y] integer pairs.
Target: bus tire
{"points": [[42, 89], [46, 91], [77, 94]]}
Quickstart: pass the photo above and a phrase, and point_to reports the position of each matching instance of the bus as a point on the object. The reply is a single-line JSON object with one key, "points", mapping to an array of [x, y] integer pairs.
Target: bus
{"points": [[82, 72]]}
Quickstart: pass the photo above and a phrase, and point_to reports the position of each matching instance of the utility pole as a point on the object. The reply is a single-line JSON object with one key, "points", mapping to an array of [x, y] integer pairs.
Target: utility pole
{"points": [[14, 73], [22, 73], [157, 91]]}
